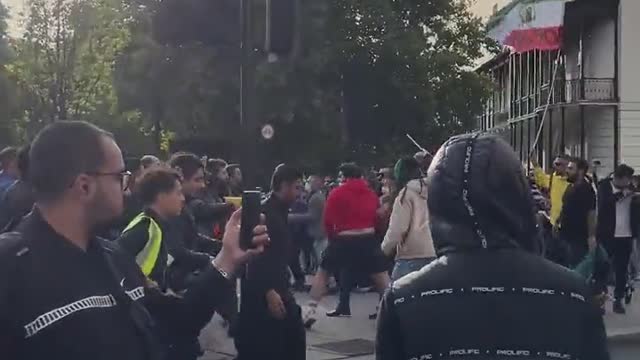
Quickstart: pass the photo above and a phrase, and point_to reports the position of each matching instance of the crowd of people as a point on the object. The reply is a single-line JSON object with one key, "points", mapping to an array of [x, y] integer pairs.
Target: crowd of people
{"points": [[469, 256], [580, 214]]}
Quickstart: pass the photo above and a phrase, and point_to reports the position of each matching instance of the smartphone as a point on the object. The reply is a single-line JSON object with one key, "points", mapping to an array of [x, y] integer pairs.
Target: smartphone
{"points": [[251, 209]]}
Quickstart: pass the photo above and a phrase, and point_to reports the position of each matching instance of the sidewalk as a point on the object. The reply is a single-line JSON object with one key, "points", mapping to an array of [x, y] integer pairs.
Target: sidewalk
{"points": [[624, 327], [219, 347]]}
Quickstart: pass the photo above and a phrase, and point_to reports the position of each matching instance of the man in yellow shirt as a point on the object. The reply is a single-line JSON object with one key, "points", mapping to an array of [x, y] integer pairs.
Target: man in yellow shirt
{"points": [[555, 184]]}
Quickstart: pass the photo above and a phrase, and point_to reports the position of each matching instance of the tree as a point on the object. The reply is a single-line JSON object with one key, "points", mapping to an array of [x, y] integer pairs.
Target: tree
{"points": [[181, 91], [363, 74], [407, 69], [8, 100], [366, 72], [5, 51], [64, 65]]}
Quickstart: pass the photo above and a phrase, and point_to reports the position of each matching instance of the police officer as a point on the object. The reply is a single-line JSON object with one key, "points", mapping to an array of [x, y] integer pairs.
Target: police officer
{"points": [[66, 294]]}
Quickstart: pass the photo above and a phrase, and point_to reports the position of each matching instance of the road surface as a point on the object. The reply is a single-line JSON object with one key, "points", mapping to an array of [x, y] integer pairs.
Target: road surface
{"points": [[359, 332]]}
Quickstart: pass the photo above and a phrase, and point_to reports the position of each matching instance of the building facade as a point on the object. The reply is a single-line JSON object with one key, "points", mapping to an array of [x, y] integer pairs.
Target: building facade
{"points": [[568, 88]]}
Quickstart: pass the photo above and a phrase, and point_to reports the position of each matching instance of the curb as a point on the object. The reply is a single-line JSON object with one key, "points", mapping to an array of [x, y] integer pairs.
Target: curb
{"points": [[624, 335]]}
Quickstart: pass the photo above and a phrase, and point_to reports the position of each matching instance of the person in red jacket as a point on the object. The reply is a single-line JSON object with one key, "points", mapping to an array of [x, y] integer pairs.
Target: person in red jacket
{"points": [[350, 218]]}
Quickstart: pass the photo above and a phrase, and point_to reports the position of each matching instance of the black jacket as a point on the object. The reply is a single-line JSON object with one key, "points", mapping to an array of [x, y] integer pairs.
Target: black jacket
{"points": [[186, 241], [59, 302], [135, 239], [207, 213], [184, 246], [271, 269], [607, 211], [488, 295]]}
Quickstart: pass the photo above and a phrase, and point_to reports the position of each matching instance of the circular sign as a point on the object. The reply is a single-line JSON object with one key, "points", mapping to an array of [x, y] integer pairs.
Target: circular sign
{"points": [[267, 132]]}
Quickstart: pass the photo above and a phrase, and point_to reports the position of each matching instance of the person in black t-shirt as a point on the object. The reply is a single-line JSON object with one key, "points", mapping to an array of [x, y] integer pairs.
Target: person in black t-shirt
{"points": [[577, 225]]}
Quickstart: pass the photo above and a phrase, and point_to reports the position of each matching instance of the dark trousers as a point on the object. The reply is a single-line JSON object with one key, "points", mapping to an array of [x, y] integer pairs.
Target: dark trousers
{"points": [[261, 337], [294, 263], [346, 283], [555, 247], [302, 243], [310, 257], [619, 250]]}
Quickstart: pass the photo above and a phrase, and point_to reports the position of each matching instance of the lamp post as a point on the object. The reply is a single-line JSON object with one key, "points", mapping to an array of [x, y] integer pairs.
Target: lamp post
{"points": [[247, 143]]}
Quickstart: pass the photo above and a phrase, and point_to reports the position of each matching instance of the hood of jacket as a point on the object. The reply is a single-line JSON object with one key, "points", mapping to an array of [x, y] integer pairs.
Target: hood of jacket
{"points": [[419, 187], [479, 197]]}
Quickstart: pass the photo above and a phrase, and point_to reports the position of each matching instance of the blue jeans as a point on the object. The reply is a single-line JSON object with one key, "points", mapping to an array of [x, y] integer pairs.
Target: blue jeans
{"points": [[406, 266]]}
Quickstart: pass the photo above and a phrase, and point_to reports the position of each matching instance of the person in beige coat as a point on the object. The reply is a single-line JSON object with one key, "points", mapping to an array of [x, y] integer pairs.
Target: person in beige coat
{"points": [[409, 235]]}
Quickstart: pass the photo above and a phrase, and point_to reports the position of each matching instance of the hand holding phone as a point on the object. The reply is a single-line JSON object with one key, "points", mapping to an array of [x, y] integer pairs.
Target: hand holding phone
{"points": [[232, 255]]}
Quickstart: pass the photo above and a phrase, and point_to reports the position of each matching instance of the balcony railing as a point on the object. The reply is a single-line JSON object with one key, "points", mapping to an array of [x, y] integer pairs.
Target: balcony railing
{"points": [[590, 90], [579, 90]]}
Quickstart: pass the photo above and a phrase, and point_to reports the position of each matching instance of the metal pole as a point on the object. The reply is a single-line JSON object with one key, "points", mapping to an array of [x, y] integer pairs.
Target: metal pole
{"points": [[528, 155], [247, 149], [562, 130], [550, 153], [583, 147], [522, 155], [245, 24]]}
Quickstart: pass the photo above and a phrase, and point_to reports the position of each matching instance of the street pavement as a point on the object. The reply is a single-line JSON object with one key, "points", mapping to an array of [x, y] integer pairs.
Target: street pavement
{"points": [[623, 331]]}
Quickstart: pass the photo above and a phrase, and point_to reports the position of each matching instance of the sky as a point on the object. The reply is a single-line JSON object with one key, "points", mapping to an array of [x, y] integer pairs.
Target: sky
{"points": [[14, 7], [484, 8]]}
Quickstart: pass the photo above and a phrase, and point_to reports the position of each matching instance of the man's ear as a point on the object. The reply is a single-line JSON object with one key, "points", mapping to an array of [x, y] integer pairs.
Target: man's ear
{"points": [[82, 185]]}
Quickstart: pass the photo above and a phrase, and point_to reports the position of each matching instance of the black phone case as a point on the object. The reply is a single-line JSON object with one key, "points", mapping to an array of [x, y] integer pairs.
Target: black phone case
{"points": [[250, 217]]}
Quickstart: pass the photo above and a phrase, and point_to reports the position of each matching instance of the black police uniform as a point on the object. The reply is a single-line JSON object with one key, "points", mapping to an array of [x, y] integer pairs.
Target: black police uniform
{"points": [[59, 302]]}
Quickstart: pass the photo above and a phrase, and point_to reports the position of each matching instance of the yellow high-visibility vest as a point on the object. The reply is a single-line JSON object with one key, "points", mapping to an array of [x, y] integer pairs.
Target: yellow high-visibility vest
{"points": [[148, 256]]}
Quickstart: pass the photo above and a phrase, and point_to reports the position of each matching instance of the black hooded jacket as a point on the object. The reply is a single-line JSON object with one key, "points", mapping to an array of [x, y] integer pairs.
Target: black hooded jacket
{"points": [[489, 295], [59, 302]]}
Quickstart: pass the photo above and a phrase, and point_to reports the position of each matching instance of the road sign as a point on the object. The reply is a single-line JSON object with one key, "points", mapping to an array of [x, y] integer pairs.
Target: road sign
{"points": [[267, 132]]}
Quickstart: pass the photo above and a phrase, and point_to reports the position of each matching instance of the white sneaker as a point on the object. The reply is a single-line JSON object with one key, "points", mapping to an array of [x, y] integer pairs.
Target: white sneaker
{"points": [[309, 315]]}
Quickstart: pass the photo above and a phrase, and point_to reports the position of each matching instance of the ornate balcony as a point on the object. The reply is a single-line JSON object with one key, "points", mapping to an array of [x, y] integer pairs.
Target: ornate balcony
{"points": [[589, 89]]}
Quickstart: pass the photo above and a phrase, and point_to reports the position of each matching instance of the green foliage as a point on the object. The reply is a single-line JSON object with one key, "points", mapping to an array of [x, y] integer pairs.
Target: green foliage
{"points": [[64, 63], [5, 52], [362, 75], [409, 66], [8, 99]]}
